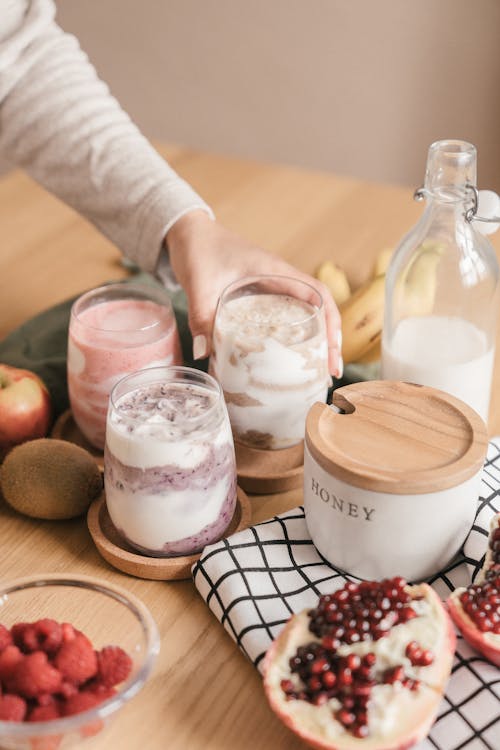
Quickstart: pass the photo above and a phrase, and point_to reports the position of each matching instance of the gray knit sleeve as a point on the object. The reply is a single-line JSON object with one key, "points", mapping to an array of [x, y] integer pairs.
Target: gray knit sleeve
{"points": [[59, 122]]}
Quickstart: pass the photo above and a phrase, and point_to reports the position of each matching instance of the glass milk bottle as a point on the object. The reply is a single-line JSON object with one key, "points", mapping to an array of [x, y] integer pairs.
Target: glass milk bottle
{"points": [[442, 287]]}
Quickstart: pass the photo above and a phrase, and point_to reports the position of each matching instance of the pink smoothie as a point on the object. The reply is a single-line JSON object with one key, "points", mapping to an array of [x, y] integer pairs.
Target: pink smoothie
{"points": [[107, 341]]}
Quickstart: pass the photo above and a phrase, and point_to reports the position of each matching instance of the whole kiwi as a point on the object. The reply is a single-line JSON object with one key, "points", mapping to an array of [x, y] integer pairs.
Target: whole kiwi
{"points": [[50, 479]]}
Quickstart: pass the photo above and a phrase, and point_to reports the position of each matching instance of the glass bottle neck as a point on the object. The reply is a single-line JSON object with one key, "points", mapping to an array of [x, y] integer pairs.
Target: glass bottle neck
{"points": [[451, 170]]}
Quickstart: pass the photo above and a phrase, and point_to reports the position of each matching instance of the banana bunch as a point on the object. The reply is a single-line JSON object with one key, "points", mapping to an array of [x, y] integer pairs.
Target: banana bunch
{"points": [[335, 279], [415, 290], [362, 312]]}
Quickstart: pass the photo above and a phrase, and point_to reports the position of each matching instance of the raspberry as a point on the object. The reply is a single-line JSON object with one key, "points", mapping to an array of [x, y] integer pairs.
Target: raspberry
{"points": [[102, 691], [76, 660], [68, 689], [43, 635], [44, 713], [12, 708], [45, 699], [17, 633], [34, 675], [80, 702], [114, 665], [68, 632], [5, 637], [9, 659]]}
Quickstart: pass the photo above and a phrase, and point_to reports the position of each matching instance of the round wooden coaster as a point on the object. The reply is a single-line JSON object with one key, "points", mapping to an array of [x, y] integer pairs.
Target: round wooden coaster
{"points": [[121, 555], [65, 428], [262, 472]]}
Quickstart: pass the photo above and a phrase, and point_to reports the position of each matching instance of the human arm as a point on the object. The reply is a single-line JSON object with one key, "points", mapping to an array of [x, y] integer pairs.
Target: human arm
{"points": [[60, 123]]}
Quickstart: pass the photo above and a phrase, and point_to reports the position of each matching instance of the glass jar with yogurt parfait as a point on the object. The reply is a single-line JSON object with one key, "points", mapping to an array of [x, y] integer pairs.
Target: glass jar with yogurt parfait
{"points": [[270, 354], [114, 330], [169, 464]]}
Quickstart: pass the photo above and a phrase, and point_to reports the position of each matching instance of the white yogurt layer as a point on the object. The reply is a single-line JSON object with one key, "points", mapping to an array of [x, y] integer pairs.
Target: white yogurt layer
{"points": [[271, 358], [167, 430], [152, 520]]}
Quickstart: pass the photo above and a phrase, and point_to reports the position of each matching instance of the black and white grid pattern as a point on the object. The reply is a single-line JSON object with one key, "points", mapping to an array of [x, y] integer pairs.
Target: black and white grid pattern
{"points": [[254, 580]]}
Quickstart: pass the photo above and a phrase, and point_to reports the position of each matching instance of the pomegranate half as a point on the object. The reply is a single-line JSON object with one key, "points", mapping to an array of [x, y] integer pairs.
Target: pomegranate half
{"points": [[475, 610], [366, 668]]}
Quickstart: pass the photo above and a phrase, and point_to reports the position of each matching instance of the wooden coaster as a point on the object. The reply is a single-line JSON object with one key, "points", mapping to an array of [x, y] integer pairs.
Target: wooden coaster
{"points": [[262, 472], [65, 428], [117, 552]]}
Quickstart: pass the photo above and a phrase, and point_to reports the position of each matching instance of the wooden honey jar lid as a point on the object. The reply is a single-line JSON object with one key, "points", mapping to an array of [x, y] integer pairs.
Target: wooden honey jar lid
{"points": [[396, 437]]}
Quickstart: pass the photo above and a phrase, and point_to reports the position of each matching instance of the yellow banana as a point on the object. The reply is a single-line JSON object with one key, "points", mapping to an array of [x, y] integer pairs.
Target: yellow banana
{"points": [[336, 281], [382, 261], [362, 318], [415, 290]]}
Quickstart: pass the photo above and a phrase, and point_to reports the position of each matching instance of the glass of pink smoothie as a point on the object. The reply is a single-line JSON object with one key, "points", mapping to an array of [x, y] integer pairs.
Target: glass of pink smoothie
{"points": [[114, 330]]}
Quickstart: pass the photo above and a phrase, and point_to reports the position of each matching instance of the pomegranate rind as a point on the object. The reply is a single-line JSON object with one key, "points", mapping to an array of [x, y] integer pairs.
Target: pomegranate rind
{"points": [[480, 641], [317, 726], [488, 557]]}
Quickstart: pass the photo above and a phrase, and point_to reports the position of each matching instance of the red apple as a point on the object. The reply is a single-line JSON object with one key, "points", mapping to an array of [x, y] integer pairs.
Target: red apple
{"points": [[25, 407]]}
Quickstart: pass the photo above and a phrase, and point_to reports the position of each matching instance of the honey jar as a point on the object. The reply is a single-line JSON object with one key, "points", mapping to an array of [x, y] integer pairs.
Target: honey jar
{"points": [[392, 475]]}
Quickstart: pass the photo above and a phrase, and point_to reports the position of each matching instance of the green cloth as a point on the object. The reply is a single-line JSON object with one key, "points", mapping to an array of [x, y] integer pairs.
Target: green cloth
{"points": [[40, 344]]}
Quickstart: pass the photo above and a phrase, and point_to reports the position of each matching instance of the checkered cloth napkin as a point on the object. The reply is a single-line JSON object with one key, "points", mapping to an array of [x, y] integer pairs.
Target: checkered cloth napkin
{"points": [[254, 580]]}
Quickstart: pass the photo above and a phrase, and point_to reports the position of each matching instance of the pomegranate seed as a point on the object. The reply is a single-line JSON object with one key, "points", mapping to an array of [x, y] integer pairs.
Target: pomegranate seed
{"points": [[406, 614], [287, 686], [353, 661], [320, 699], [346, 717], [330, 642], [395, 674], [345, 677], [362, 689], [329, 679], [369, 659], [426, 658], [319, 666], [362, 717], [360, 731]]}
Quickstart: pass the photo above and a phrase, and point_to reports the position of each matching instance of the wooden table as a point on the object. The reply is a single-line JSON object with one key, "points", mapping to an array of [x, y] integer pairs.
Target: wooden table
{"points": [[203, 693]]}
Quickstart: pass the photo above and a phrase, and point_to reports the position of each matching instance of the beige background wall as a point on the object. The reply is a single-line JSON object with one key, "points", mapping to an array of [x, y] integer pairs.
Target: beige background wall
{"points": [[360, 87]]}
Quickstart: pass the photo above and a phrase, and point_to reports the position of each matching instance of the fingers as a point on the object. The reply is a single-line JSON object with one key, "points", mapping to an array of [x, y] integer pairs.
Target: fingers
{"points": [[334, 335], [333, 328], [200, 326], [202, 304]]}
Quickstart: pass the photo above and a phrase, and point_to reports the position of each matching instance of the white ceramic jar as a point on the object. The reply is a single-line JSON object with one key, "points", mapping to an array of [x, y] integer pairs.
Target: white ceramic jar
{"points": [[392, 474]]}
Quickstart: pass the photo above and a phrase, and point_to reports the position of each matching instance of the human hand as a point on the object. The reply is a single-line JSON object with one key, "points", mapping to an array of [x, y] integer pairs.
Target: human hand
{"points": [[206, 257]]}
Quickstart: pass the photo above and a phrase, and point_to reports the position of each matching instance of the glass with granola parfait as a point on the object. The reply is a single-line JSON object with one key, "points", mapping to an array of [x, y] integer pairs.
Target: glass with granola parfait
{"points": [[270, 355]]}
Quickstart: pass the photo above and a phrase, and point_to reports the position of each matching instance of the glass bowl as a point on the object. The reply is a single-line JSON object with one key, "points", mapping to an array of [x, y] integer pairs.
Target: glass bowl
{"points": [[108, 616]]}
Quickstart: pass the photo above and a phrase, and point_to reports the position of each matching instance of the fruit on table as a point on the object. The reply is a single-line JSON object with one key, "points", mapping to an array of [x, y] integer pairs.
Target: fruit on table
{"points": [[25, 407], [366, 667], [415, 290], [335, 279], [50, 479], [49, 670], [362, 318], [475, 610], [382, 261], [362, 312]]}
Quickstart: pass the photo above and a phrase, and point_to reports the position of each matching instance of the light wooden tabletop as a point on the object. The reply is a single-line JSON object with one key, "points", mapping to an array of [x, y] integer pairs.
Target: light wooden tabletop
{"points": [[203, 693]]}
